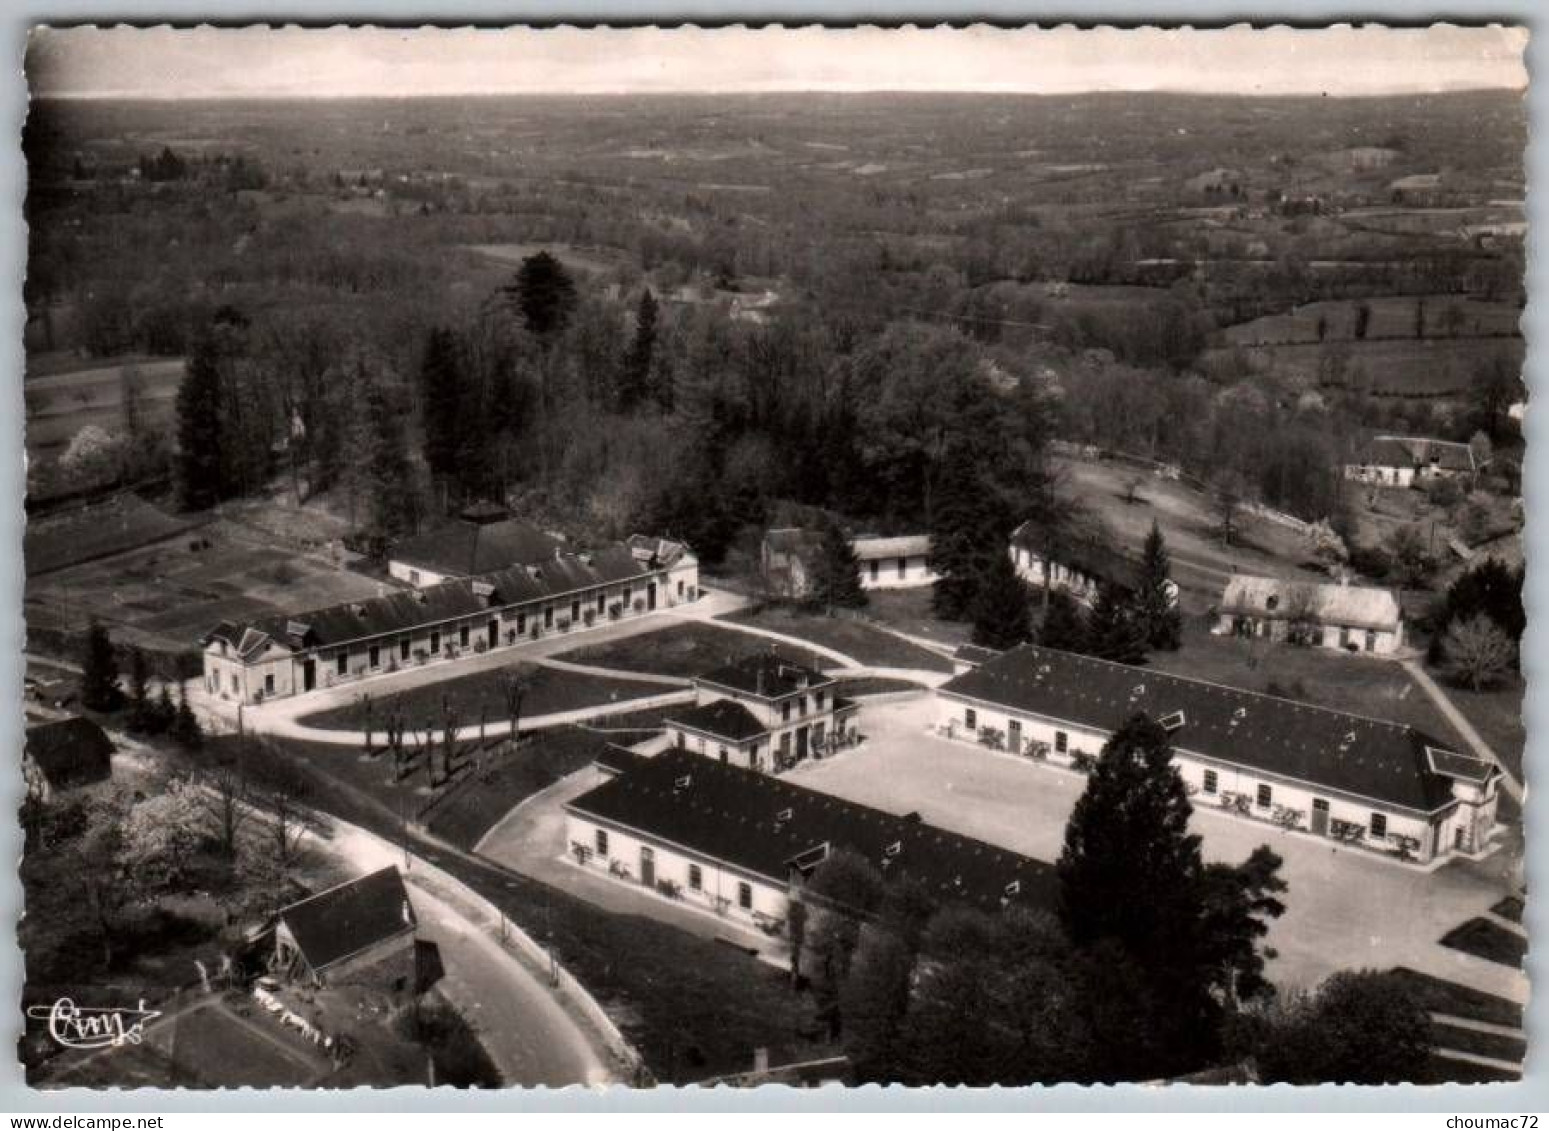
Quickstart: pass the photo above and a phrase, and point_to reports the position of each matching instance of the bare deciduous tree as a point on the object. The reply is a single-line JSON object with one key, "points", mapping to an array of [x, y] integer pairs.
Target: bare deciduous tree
{"points": [[1478, 653]]}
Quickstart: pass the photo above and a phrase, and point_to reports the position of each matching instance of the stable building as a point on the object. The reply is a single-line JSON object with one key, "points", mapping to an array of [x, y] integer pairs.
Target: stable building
{"points": [[894, 563], [360, 932], [762, 713], [251, 661], [1352, 618], [742, 844], [483, 538], [1080, 568], [788, 560], [1362, 781], [1411, 461]]}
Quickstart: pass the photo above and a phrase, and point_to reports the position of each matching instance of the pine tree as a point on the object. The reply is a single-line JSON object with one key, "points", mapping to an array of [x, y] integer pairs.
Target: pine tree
{"points": [[1156, 601], [1113, 631], [544, 294], [965, 533], [836, 580], [1063, 626], [635, 380], [387, 476], [99, 671], [441, 398], [185, 730], [141, 709], [199, 459], [999, 609]]}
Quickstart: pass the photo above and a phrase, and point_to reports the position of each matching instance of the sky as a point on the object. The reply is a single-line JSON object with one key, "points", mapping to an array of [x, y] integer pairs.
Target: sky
{"points": [[122, 62]]}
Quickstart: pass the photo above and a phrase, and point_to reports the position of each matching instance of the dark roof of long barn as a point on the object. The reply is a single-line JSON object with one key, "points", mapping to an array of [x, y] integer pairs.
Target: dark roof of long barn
{"points": [[1368, 758], [465, 546], [1087, 554], [405, 609], [73, 751], [766, 675], [761, 824], [335, 924]]}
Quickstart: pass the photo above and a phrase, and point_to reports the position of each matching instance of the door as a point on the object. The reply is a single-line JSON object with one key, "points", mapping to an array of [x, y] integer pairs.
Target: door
{"points": [[308, 675], [1014, 735], [647, 867], [650, 597], [494, 633], [801, 743], [1319, 817]]}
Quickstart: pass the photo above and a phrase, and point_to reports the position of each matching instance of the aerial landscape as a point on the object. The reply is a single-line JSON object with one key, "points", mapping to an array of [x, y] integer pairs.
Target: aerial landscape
{"points": [[791, 587]]}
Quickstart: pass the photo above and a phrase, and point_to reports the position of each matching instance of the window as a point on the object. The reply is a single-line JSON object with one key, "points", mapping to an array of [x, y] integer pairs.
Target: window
{"points": [[696, 878], [548, 616], [269, 684], [817, 699], [681, 742], [344, 663], [1172, 722], [903, 565], [1014, 735], [602, 842], [223, 647], [1061, 742], [602, 600], [873, 571], [435, 643], [234, 683], [1371, 640], [414, 577], [785, 711], [1379, 826], [521, 624], [680, 593], [375, 653], [403, 648], [1265, 796], [462, 637], [1271, 601], [575, 612], [724, 756], [971, 719], [1212, 782], [745, 895], [625, 596]]}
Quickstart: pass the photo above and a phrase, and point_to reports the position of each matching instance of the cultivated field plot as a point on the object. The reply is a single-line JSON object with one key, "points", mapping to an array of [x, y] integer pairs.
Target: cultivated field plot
{"points": [[1386, 318], [1201, 563], [124, 522], [61, 404], [1324, 677], [868, 646], [687, 650], [549, 690], [591, 260], [1401, 367], [165, 596]]}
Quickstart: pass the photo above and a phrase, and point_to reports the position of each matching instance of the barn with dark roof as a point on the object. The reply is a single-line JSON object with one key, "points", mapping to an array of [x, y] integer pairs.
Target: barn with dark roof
{"points": [[740, 842], [1382, 784], [65, 755], [360, 932]]}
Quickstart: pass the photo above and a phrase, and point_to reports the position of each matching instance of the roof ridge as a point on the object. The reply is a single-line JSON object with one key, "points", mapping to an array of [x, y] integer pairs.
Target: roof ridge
{"points": [[336, 887]]}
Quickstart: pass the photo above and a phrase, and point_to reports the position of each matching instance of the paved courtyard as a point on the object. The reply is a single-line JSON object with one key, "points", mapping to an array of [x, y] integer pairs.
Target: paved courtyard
{"points": [[1345, 907]]}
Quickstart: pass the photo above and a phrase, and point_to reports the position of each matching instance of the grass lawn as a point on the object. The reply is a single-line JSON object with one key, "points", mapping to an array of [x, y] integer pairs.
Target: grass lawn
{"points": [[876, 685], [124, 522], [548, 691], [1497, 716], [1509, 908], [1374, 688], [867, 645], [480, 800], [909, 610], [686, 650], [1481, 1044], [1487, 940], [1441, 996], [219, 1049], [694, 1008]]}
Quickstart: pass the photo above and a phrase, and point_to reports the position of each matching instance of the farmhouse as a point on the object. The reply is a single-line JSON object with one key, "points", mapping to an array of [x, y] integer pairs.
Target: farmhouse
{"points": [[1350, 617], [289, 655], [1405, 461], [761, 713], [358, 933], [482, 539], [743, 843], [65, 755], [1081, 566], [894, 563], [1343, 776]]}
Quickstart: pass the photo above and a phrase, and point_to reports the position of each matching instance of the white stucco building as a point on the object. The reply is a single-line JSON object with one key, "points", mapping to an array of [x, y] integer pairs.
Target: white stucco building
{"points": [[894, 563], [1409, 461], [1363, 781], [1350, 618]]}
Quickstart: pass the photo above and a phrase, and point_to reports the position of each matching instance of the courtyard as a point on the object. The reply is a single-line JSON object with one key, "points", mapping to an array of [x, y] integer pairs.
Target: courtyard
{"points": [[1345, 907]]}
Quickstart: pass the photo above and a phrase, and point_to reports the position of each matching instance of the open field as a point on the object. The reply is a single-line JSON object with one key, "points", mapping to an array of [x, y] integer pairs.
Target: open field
{"points": [[166, 596], [61, 404], [1201, 562], [1321, 676], [1497, 716], [591, 260], [123, 522], [1397, 367], [549, 690], [909, 610], [482, 800], [686, 650], [1389, 318], [868, 646]]}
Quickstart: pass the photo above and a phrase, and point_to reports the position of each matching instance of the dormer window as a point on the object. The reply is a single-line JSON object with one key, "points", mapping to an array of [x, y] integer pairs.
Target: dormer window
{"points": [[1172, 722]]}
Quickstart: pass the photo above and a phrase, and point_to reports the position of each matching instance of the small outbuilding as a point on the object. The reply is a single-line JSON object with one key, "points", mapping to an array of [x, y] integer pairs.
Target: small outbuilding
{"points": [[360, 932], [65, 755]]}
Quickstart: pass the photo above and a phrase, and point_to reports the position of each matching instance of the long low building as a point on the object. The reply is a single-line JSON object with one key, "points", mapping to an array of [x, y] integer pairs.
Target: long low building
{"points": [[1353, 618], [1359, 780], [742, 843], [249, 662]]}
